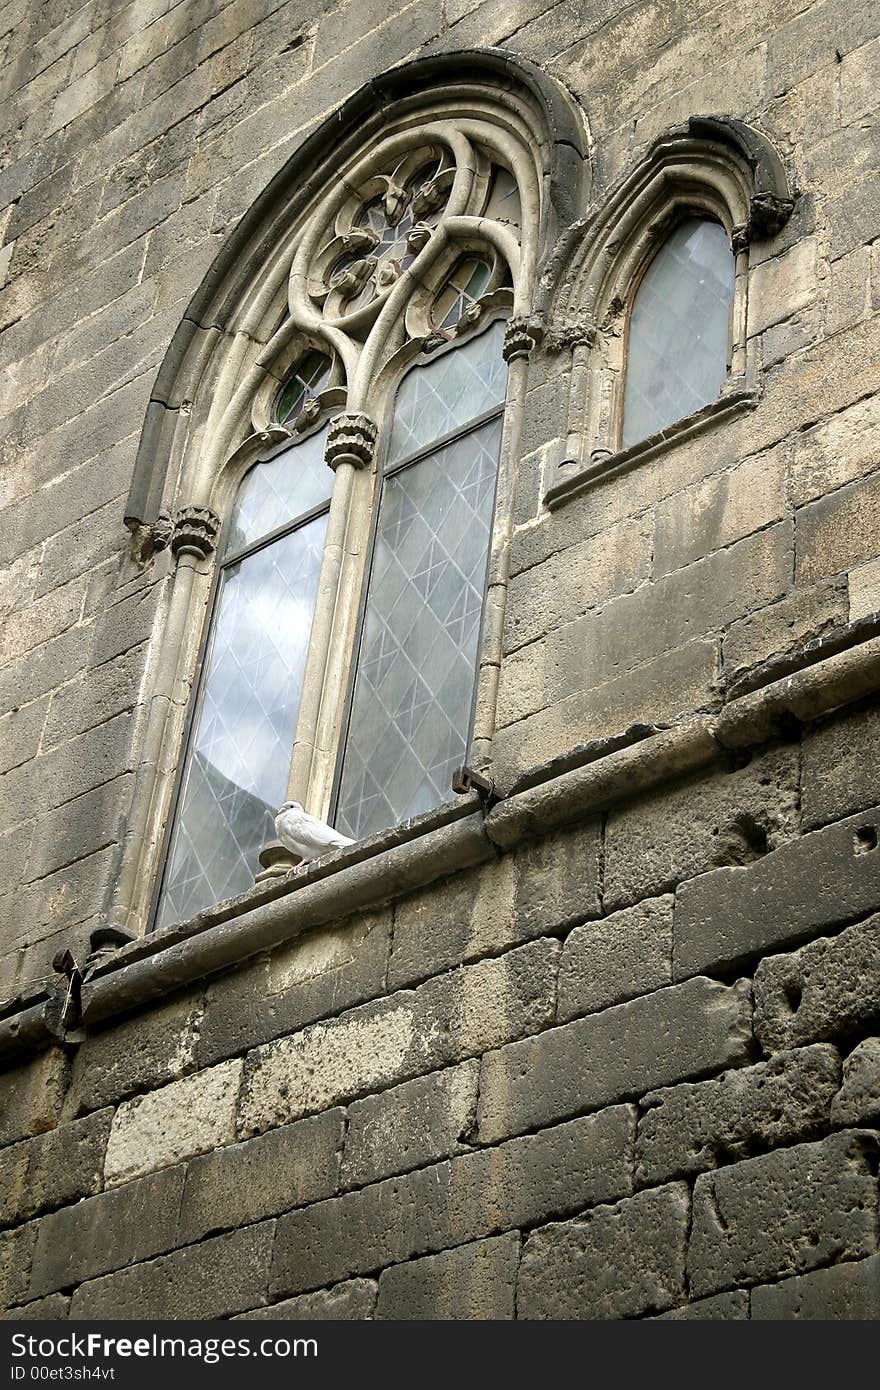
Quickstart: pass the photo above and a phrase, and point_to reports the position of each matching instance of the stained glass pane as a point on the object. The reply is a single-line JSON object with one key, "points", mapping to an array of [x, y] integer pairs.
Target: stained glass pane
{"points": [[444, 394], [679, 330], [240, 749], [461, 290], [308, 378], [278, 491], [415, 682]]}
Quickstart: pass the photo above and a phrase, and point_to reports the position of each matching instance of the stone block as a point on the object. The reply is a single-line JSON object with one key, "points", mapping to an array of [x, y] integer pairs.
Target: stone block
{"points": [[858, 1100], [318, 976], [839, 775], [621, 1053], [211, 1280], [614, 1262], [864, 584], [20, 733], [188, 1117], [455, 1203], [828, 989], [73, 768], [242, 1183], [136, 1054], [783, 627], [849, 292], [471, 1282], [16, 1255], [718, 511], [32, 1096], [853, 214], [657, 693], [835, 452], [722, 1307], [839, 530], [79, 828], [690, 1128], [353, 1301], [812, 884], [583, 576], [844, 1292], [615, 959], [782, 285], [411, 1125], [446, 1020], [784, 1213], [53, 1169], [52, 1309], [105, 1232], [678, 832]]}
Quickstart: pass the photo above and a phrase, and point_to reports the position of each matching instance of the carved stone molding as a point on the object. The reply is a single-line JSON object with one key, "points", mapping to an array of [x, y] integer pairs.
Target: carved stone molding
{"points": [[351, 439], [520, 337], [563, 335], [195, 532]]}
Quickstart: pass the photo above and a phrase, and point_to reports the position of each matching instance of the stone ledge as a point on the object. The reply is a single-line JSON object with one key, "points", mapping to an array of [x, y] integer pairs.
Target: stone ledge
{"points": [[571, 483]]}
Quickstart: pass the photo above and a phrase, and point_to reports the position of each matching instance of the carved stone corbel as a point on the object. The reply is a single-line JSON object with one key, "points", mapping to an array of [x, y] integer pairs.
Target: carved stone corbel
{"points": [[195, 532], [768, 213], [520, 337], [576, 332], [351, 439]]}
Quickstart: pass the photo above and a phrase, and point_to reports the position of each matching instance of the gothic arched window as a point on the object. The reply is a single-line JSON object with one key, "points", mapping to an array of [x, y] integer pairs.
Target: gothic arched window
{"points": [[356, 454], [678, 338]]}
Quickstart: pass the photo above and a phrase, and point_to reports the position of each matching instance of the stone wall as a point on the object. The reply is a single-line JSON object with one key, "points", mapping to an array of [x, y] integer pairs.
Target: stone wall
{"points": [[624, 1061]]}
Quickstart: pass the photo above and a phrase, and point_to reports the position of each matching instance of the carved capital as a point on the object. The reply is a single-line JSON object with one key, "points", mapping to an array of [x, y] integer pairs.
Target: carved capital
{"points": [[351, 439], [740, 239], [571, 333], [161, 531], [195, 532], [520, 337]]}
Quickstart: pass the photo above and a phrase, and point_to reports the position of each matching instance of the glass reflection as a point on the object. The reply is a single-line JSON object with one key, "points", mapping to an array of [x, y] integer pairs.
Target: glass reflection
{"points": [[678, 330]]}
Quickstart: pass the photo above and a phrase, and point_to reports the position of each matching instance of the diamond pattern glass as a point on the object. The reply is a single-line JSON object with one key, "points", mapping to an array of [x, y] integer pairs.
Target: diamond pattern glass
{"points": [[278, 491], [415, 682], [442, 396], [679, 330], [240, 747]]}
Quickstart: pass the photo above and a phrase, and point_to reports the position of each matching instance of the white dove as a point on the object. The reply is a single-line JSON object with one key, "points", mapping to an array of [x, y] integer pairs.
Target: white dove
{"points": [[305, 835]]}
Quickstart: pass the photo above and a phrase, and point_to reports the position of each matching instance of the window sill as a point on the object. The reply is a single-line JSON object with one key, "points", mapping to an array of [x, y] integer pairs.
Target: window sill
{"points": [[569, 480]]}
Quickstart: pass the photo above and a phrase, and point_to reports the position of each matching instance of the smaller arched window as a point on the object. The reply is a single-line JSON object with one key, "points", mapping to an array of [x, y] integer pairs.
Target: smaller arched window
{"points": [[678, 337]]}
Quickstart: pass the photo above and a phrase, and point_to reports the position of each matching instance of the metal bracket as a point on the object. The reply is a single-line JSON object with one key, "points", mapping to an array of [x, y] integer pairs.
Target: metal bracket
{"points": [[467, 780], [64, 964]]}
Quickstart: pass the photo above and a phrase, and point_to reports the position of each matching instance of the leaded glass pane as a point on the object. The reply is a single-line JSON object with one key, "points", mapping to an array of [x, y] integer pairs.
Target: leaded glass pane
{"points": [[278, 491], [415, 683], [444, 394], [240, 749], [462, 289], [308, 378], [679, 330]]}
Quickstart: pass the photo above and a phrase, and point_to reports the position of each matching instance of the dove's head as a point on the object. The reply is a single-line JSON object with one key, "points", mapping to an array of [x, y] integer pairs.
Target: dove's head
{"points": [[289, 806]]}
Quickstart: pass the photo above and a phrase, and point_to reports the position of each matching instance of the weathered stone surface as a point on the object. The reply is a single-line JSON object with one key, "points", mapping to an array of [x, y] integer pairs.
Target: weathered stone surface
{"points": [[411, 1125], [689, 1128], [16, 1254], [181, 1120], [838, 531], [676, 833], [722, 1307], [817, 882], [54, 1168], [52, 1309], [686, 1030], [32, 1095], [784, 1213], [839, 774], [456, 1202], [849, 1291], [616, 958], [106, 1232], [315, 977], [717, 511], [825, 990], [449, 1018], [136, 1054], [355, 1300], [471, 1282], [858, 1100], [778, 287], [211, 1280], [614, 1262], [783, 627], [246, 1182]]}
